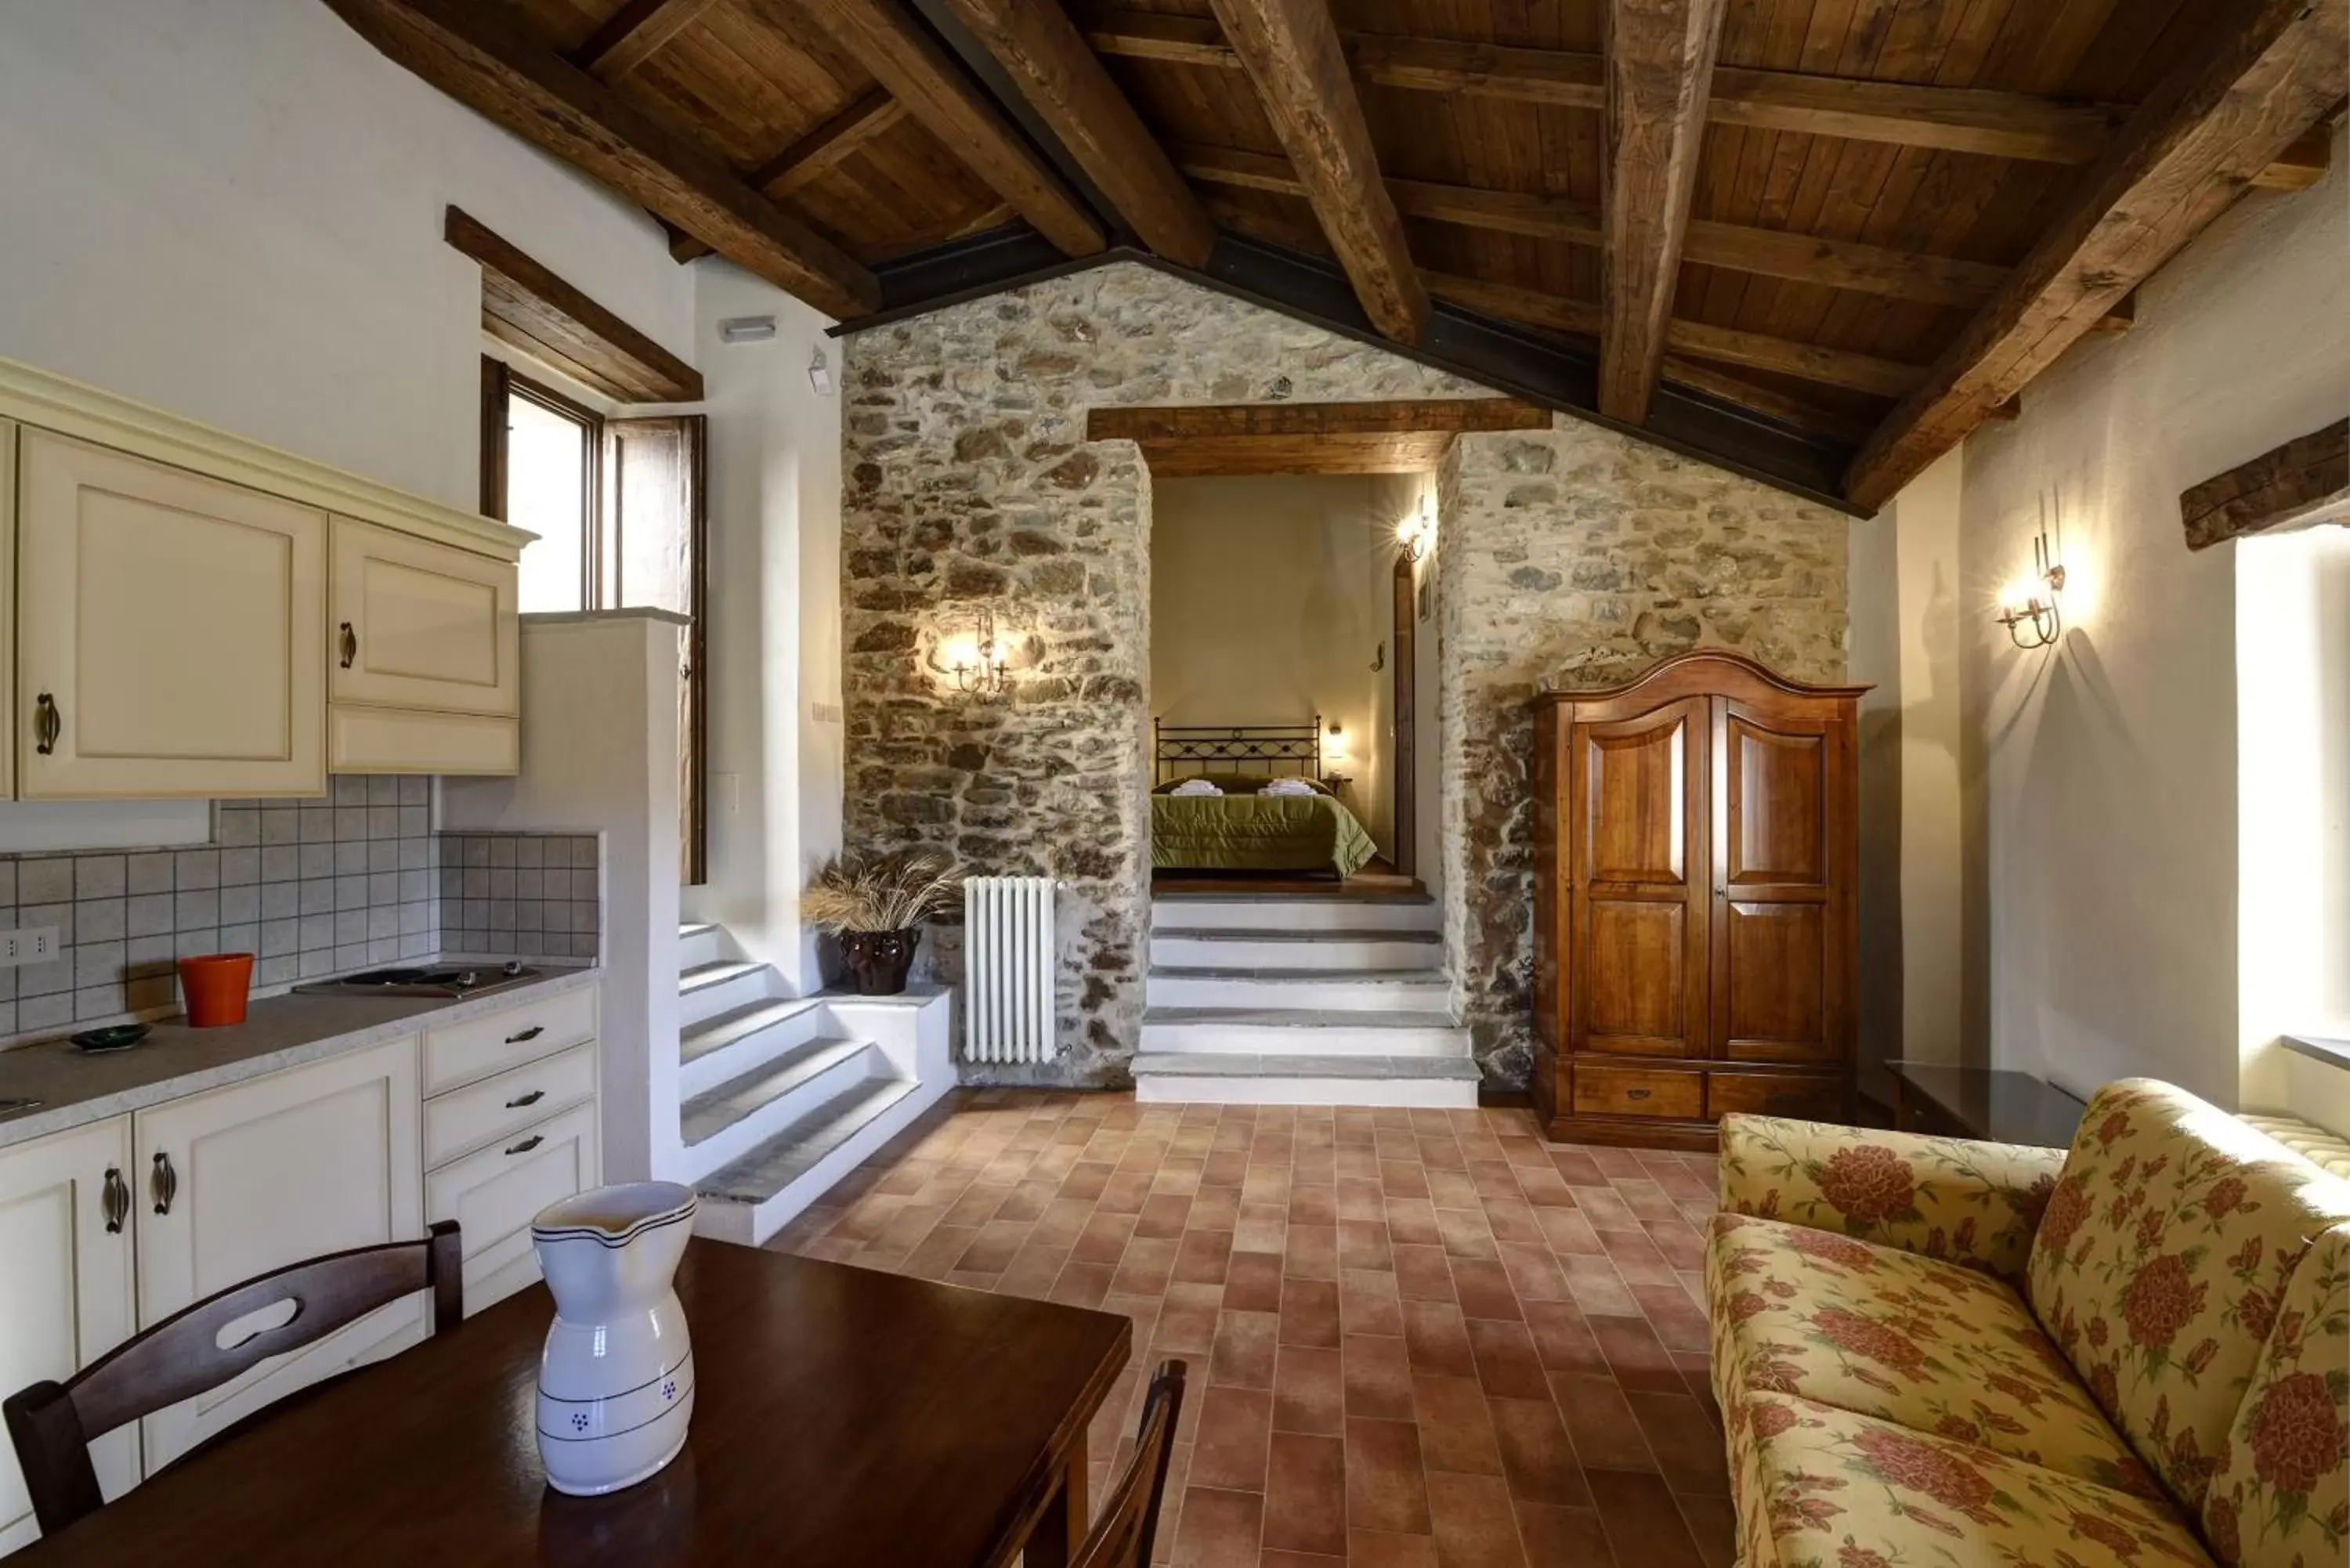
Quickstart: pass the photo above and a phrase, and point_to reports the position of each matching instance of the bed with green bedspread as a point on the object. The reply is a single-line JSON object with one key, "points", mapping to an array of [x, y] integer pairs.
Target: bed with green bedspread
{"points": [[1242, 830]]}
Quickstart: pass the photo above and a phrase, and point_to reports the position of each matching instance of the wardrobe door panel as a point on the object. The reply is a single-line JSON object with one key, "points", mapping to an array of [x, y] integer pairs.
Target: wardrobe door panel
{"points": [[1780, 943], [1639, 874]]}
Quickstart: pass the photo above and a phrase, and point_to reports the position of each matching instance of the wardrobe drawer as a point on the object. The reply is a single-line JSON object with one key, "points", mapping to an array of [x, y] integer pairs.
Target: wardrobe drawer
{"points": [[1774, 1094], [469, 1118], [1637, 1092], [458, 1053]]}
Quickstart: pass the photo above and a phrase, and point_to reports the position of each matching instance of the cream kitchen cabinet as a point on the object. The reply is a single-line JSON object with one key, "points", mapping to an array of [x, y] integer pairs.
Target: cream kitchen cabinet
{"points": [[167, 630], [426, 675], [240, 1180], [66, 1286], [7, 597]]}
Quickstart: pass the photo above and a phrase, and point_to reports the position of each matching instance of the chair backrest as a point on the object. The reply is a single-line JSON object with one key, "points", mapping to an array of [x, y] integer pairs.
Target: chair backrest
{"points": [[52, 1424], [1121, 1537]]}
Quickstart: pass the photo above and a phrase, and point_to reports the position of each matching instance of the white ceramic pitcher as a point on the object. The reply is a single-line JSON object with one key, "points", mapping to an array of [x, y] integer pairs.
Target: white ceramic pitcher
{"points": [[615, 1380]]}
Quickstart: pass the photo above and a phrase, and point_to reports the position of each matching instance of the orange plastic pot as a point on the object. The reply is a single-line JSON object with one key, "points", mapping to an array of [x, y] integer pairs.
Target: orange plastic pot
{"points": [[214, 988]]}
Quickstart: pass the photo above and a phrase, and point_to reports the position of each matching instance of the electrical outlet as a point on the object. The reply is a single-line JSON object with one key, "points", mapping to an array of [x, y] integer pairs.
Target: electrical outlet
{"points": [[31, 944]]}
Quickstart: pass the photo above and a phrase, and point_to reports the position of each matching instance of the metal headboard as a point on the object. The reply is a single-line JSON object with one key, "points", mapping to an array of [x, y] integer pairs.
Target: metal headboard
{"points": [[1187, 751]]}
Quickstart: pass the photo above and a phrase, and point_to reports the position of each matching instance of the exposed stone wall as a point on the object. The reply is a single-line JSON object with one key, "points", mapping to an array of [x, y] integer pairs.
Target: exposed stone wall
{"points": [[968, 481], [1571, 560]]}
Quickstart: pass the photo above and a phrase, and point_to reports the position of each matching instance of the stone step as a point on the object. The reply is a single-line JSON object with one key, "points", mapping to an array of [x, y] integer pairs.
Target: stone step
{"points": [[1318, 990], [1290, 1032], [1186, 1078], [729, 1044], [753, 1197], [724, 1123], [1273, 950], [1295, 911], [698, 945], [708, 990]]}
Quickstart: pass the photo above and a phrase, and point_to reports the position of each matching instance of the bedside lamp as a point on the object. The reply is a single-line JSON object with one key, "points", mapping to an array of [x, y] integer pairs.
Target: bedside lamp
{"points": [[1334, 757]]}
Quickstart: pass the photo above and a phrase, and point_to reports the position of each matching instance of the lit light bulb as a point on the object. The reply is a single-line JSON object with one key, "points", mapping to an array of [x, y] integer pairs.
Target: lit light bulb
{"points": [[1335, 745]]}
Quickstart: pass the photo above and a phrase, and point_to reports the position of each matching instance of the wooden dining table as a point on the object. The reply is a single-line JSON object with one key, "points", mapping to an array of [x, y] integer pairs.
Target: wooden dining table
{"points": [[841, 1417]]}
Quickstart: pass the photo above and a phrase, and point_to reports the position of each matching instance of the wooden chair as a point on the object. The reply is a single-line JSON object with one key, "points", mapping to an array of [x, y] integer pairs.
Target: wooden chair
{"points": [[52, 1424], [1122, 1537]]}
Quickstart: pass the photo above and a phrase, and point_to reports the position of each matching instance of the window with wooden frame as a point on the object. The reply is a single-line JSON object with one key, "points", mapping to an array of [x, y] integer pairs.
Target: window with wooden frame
{"points": [[616, 504]]}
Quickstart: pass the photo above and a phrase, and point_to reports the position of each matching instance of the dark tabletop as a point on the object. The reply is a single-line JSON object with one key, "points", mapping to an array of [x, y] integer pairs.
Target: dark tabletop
{"points": [[2000, 1106], [842, 1417]]}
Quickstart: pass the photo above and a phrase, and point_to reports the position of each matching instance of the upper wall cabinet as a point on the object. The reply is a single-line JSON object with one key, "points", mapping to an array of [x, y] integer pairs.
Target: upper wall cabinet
{"points": [[168, 631], [7, 597], [426, 675]]}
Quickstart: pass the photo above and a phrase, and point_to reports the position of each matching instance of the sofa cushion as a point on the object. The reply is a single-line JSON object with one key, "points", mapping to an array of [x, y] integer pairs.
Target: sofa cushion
{"points": [[2307, 1139], [1913, 1340], [1823, 1488], [2160, 1261], [2281, 1497]]}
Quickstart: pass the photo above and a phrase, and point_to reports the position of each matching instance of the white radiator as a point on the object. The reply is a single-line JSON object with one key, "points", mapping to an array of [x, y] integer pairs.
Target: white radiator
{"points": [[1009, 961]]}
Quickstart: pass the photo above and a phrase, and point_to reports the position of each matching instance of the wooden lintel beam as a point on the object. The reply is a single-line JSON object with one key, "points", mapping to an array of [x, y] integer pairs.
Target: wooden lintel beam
{"points": [[1391, 437], [633, 35], [526, 302], [1292, 53], [1659, 72], [484, 59], [1953, 120], [814, 154], [1065, 82], [918, 73], [2305, 481], [2261, 73]]}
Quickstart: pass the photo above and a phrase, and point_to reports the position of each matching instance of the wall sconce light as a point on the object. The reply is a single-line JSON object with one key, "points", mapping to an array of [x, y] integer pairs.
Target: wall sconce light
{"points": [[977, 660], [1415, 533], [2028, 609]]}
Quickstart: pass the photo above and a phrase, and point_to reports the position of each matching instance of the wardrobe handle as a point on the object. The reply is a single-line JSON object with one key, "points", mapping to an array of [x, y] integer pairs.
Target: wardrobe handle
{"points": [[164, 1183], [47, 723], [1638, 1093], [530, 1099], [532, 1033], [526, 1145], [350, 645], [114, 1201]]}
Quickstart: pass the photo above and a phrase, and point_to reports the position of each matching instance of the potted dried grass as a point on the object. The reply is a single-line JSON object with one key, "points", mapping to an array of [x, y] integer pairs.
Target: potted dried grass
{"points": [[875, 904]]}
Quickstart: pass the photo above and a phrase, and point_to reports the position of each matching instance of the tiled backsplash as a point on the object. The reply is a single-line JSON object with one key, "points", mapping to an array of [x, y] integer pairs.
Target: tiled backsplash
{"points": [[533, 894]]}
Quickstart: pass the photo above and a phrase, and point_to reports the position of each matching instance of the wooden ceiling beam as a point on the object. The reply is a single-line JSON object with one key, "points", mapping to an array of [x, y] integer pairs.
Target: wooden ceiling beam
{"points": [[633, 35], [526, 304], [1292, 53], [812, 155], [1065, 82], [1810, 417], [2305, 482], [484, 59], [2261, 74], [911, 65], [1661, 57], [1401, 436], [1953, 119]]}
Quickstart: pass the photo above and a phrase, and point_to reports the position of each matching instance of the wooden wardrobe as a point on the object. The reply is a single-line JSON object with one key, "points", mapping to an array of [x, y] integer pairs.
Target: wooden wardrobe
{"points": [[1696, 849]]}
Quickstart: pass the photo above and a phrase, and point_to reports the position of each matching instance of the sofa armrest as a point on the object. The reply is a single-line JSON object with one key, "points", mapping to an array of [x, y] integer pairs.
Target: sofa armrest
{"points": [[1973, 1203]]}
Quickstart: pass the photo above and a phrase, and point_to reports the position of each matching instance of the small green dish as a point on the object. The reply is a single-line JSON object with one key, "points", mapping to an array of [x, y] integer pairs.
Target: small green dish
{"points": [[120, 1037]]}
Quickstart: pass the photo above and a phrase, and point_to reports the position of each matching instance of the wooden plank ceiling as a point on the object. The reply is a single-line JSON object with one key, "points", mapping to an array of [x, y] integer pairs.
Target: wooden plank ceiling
{"points": [[1864, 223]]}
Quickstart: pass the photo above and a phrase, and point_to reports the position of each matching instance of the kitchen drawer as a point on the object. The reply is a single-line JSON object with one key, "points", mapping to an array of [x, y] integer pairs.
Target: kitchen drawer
{"points": [[458, 1053], [1774, 1095], [466, 1118], [496, 1193], [1637, 1092]]}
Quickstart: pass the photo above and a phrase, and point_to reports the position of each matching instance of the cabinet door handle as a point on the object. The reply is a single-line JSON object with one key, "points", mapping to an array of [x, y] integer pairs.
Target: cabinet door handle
{"points": [[530, 1099], [532, 1033], [114, 1201], [1638, 1093], [350, 645], [47, 723], [526, 1145], [164, 1183]]}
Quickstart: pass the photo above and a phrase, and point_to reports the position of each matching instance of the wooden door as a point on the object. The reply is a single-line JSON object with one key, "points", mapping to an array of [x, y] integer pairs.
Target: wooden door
{"points": [[1637, 985], [421, 625], [1783, 877], [652, 555], [65, 1288], [170, 631], [1403, 761], [240, 1180]]}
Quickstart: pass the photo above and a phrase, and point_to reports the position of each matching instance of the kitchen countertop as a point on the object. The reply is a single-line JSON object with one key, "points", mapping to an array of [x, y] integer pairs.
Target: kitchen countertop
{"points": [[279, 1032]]}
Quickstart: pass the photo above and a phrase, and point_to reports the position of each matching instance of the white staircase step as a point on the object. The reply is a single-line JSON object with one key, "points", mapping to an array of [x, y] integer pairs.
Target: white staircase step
{"points": [[698, 945], [751, 1198], [1295, 912], [730, 1043], [1199, 1078], [725, 1123], [1321, 991], [1273, 950], [708, 990], [1289, 1032]]}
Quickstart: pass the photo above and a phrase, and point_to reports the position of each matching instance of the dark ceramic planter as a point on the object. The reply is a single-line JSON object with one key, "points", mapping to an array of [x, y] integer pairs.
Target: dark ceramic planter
{"points": [[878, 961]]}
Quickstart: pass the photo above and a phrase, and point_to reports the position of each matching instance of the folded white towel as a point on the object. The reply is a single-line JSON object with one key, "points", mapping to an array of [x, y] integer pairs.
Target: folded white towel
{"points": [[1196, 786], [1290, 787]]}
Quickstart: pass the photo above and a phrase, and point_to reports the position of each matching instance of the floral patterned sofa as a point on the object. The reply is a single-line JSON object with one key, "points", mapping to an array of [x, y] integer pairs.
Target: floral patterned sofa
{"points": [[1937, 1353]]}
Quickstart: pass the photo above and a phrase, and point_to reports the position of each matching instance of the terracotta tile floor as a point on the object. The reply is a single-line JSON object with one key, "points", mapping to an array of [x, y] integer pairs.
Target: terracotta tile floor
{"points": [[1415, 1337]]}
